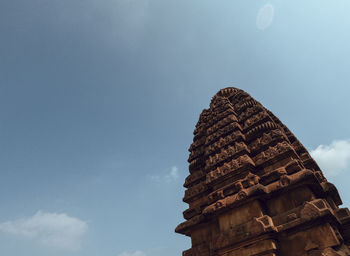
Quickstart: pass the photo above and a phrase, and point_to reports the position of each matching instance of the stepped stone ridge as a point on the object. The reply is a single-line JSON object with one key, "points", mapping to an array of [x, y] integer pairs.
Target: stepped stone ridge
{"points": [[254, 190]]}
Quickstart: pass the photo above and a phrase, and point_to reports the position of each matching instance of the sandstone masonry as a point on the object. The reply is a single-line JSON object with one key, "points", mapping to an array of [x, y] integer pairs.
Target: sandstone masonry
{"points": [[254, 190]]}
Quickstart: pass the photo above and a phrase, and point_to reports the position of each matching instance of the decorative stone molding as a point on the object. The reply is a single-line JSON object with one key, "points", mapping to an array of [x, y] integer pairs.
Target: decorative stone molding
{"points": [[254, 190]]}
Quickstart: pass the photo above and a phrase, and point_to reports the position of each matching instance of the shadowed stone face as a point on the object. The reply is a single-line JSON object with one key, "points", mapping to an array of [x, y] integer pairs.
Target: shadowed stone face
{"points": [[253, 189]]}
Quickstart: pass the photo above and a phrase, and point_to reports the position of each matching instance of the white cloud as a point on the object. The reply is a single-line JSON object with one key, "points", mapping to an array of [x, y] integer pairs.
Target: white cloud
{"points": [[265, 16], [50, 229], [136, 253], [333, 158], [171, 176]]}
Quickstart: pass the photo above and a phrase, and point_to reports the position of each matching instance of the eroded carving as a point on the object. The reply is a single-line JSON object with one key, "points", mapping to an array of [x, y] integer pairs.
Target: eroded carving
{"points": [[253, 187]]}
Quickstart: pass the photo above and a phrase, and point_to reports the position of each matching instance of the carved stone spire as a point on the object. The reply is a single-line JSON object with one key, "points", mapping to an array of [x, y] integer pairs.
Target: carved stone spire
{"points": [[254, 190]]}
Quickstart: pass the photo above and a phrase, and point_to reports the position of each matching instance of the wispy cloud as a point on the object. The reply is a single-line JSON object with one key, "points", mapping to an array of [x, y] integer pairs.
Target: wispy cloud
{"points": [[136, 253], [333, 158], [115, 22], [171, 176], [126, 19], [56, 230]]}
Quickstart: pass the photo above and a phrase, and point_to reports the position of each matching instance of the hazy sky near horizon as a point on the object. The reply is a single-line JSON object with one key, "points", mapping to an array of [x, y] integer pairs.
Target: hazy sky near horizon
{"points": [[99, 99]]}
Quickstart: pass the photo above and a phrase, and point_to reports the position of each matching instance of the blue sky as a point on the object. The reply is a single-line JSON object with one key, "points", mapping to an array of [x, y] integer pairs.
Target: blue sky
{"points": [[99, 100]]}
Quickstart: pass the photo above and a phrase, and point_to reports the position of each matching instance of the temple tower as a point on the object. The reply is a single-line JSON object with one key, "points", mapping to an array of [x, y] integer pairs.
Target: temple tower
{"points": [[254, 190]]}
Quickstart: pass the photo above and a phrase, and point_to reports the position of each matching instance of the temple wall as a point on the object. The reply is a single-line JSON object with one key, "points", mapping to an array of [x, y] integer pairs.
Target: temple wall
{"points": [[254, 190]]}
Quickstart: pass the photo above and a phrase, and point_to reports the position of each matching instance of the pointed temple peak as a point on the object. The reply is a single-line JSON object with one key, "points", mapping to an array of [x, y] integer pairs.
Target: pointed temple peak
{"points": [[228, 91], [254, 190]]}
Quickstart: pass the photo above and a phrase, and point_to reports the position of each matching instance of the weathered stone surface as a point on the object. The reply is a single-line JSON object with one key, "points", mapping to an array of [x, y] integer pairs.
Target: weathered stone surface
{"points": [[254, 190]]}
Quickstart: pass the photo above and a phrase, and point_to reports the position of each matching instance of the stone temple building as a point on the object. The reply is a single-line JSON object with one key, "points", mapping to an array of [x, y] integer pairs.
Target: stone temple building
{"points": [[254, 190]]}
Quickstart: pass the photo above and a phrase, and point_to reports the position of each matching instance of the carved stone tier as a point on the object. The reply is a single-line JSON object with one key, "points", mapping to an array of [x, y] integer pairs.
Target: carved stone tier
{"points": [[254, 190]]}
